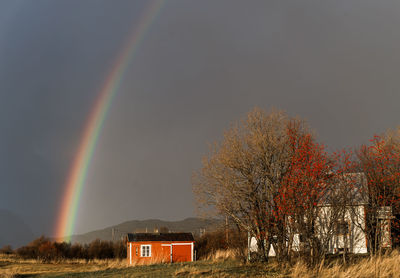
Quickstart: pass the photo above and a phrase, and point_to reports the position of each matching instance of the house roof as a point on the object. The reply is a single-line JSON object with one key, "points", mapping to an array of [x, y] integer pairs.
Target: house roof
{"points": [[132, 237], [354, 187]]}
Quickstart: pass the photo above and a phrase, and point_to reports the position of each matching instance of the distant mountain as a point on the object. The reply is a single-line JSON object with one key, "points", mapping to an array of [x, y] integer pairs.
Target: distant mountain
{"points": [[14, 231], [192, 225]]}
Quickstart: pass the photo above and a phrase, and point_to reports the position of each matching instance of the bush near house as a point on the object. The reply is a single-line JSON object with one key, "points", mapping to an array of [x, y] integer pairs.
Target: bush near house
{"points": [[44, 249], [7, 249], [210, 243]]}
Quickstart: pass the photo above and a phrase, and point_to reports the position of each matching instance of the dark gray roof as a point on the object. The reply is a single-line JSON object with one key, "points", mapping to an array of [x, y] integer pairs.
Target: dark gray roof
{"points": [[160, 237], [360, 190], [355, 187]]}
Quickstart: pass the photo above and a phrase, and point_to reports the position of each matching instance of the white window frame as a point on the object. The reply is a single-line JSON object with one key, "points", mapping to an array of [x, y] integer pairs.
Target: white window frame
{"points": [[141, 250]]}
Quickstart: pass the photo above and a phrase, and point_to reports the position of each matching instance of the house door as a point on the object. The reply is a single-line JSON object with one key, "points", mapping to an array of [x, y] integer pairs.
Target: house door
{"points": [[181, 252], [167, 252]]}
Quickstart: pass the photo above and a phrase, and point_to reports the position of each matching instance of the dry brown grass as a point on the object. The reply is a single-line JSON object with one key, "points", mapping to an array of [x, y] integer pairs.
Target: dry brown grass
{"points": [[13, 266], [380, 266], [218, 255], [153, 260], [220, 264], [384, 266], [199, 271]]}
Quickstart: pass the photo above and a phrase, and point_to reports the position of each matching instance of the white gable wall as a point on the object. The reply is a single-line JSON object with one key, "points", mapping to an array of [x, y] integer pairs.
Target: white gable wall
{"points": [[354, 241]]}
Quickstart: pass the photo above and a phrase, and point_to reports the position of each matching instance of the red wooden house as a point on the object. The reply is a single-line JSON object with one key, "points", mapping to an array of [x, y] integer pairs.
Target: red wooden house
{"points": [[146, 248]]}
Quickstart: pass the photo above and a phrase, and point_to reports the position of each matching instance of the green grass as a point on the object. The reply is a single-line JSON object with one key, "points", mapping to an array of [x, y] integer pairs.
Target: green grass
{"points": [[197, 269], [217, 268]]}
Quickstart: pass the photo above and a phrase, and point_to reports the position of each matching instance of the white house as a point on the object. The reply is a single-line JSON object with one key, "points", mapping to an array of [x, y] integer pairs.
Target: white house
{"points": [[348, 233]]}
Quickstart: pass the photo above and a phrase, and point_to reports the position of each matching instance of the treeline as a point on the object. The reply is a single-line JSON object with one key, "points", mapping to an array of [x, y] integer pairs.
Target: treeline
{"points": [[44, 249], [271, 177], [221, 239]]}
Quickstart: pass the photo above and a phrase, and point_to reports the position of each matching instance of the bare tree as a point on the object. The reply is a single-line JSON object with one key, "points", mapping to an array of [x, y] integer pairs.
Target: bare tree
{"points": [[243, 175]]}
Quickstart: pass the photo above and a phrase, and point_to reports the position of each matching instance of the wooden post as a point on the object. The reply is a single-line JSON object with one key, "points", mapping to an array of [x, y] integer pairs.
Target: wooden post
{"points": [[248, 246]]}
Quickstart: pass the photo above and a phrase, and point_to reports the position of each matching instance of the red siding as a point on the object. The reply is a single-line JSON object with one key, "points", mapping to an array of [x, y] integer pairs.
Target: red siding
{"points": [[181, 253], [160, 252]]}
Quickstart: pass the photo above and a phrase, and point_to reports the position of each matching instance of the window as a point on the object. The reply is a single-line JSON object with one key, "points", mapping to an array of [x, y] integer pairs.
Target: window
{"points": [[342, 228], [145, 250]]}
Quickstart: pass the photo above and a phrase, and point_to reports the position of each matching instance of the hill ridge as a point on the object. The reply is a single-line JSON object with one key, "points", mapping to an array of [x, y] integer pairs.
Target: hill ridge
{"points": [[193, 225]]}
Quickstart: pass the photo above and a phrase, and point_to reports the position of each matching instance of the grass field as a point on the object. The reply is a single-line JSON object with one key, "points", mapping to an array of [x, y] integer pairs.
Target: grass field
{"points": [[13, 267], [385, 266]]}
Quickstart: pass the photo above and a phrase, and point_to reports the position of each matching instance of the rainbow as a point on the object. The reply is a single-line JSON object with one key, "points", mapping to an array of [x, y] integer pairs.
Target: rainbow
{"points": [[76, 179]]}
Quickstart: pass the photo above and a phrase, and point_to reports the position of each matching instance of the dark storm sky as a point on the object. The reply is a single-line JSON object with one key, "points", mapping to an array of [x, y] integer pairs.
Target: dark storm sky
{"points": [[201, 65]]}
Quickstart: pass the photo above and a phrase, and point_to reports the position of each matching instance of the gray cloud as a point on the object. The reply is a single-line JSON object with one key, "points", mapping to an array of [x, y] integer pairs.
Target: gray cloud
{"points": [[201, 65]]}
